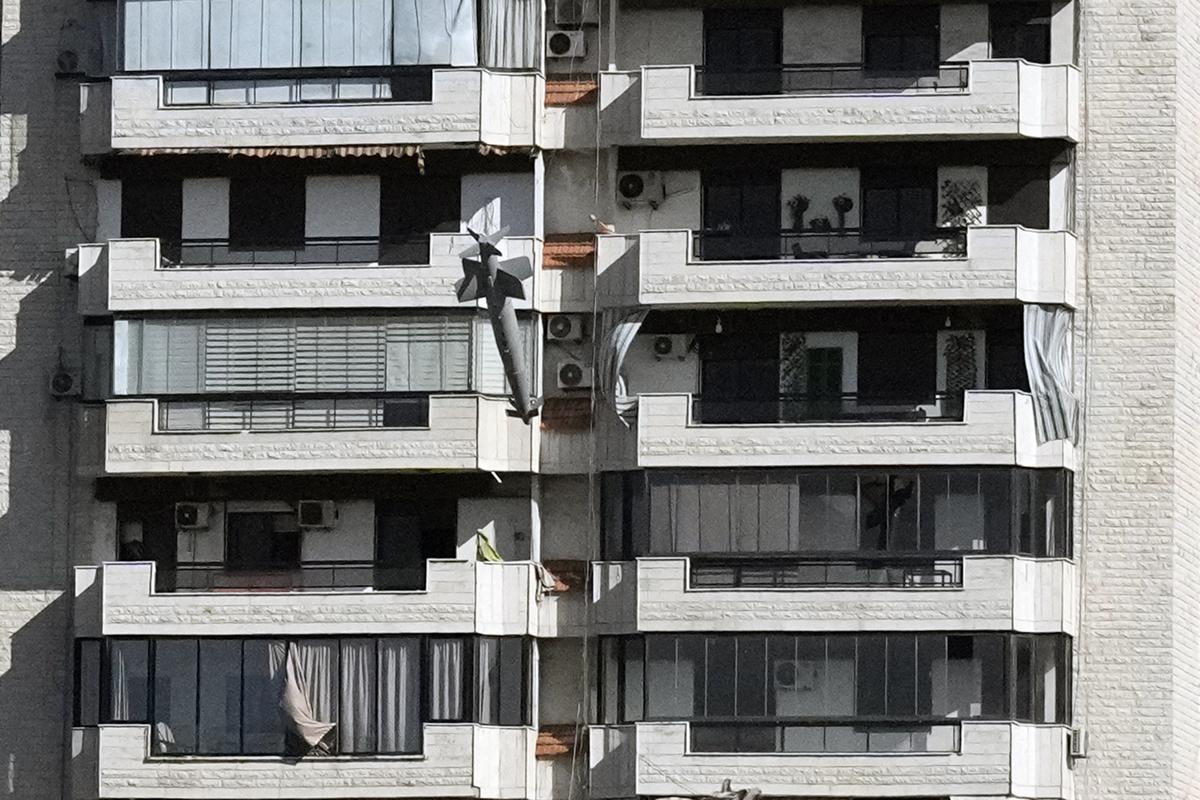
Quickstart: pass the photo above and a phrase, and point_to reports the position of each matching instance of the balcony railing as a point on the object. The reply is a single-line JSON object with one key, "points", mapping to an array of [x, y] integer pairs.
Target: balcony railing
{"points": [[315, 576], [830, 79], [323, 251], [781, 571], [297, 87], [848, 407], [826, 736], [836, 243], [292, 412]]}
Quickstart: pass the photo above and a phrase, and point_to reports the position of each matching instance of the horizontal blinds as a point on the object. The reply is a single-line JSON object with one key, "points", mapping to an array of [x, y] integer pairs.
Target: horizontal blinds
{"points": [[429, 354], [334, 356], [170, 357], [249, 356], [250, 34], [489, 368]]}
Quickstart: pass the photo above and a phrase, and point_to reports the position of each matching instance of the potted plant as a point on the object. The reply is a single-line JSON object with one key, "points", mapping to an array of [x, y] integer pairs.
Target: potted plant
{"points": [[843, 205], [820, 224], [798, 205]]}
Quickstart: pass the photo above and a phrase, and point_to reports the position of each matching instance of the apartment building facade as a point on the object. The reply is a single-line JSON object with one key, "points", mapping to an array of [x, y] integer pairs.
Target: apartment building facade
{"points": [[859, 343]]}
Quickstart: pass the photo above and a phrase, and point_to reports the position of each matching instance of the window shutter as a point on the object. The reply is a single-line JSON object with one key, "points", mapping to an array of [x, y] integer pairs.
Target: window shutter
{"points": [[248, 356], [340, 355], [429, 354], [170, 357], [489, 368]]}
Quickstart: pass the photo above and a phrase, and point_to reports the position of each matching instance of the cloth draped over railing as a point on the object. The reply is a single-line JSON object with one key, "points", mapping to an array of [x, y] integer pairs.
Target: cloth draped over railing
{"points": [[1048, 361], [620, 328]]}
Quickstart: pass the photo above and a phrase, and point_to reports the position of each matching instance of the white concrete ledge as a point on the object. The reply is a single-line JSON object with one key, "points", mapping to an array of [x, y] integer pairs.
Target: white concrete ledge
{"points": [[468, 106], [995, 759], [463, 760], [996, 429], [1004, 98], [464, 432], [127, 275], [1007, 593], [1001, 263], [461, 597]]}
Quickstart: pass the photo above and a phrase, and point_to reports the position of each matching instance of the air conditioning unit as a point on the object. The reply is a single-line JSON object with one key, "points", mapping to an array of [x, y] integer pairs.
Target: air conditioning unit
{"points": [[577, 12], [565, 328], [64, 383], [640, 189], [191, 516], [316, 514], [565, 44], [1077, 743], [670, 347], [573, 375]]}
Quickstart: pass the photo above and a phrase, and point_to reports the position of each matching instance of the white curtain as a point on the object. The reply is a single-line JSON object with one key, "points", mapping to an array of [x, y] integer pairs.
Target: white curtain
{"points": [[309, 699], [127, 680], [1048, 362], [620, 330], [510, 33], [434, 32], [446, 676], [399, 696], [357, 722]]}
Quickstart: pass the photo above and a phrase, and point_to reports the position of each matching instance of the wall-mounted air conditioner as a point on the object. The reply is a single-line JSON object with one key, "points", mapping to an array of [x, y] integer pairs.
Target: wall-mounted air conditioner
{"points": [[573, 375], [316, 514], [191, 516], [565, 328], [565, 44], [640, 189]]}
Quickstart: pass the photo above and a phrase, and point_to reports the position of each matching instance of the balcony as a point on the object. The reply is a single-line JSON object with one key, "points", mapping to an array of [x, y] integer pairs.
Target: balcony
{"points": [[457, 760], [211, 111], [993, 428], [982, 264], [1005, 98], [995, 759], [131, 275], [840, 592], [119, 599], [145, 436]]}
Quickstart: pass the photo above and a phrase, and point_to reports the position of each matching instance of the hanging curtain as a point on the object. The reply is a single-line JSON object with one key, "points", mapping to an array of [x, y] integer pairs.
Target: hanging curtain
{"points": [[399, 696], [434, 32], [487, 680], [128, 669], [510, 33], [446, 676], [357, 722], [1048, 362], [621, 327], [309, 701]]}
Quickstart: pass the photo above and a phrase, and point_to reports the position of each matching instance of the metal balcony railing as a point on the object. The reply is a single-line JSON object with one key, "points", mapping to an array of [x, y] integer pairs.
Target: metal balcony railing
{"points": [[822, 244], [836, 570], [229, 413], [245, 87], [839, 408], [782, 735], [785, 79], [316, 251]]}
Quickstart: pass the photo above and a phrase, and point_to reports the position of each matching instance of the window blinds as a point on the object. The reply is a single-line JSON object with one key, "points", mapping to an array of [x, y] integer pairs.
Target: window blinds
{"points": [[305, 355], [251, 34]]}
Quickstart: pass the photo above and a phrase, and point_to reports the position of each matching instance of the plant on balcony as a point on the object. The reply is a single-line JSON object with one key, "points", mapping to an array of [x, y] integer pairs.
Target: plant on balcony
{"points": [[843, 205], [820, 224], [960, 205], [798, 205]]}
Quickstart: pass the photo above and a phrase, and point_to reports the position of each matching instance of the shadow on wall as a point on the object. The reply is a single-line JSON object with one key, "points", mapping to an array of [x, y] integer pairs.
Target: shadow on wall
{"points": [[44, 206]]}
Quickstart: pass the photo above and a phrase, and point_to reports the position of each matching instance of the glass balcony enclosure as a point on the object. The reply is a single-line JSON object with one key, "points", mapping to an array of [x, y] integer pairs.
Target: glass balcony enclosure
{"points": [[299, 696], [794, 528], [843, 693]]}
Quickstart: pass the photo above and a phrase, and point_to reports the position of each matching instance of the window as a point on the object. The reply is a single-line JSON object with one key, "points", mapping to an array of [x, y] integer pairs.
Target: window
{"points": [[901, 38], [748, 685], [1019, 195], [411, 208], [152, 208], [741, 217], [1020, 30], [742, 51], [262, 541], [837, 514], [898, 203], [87, 681], [266, 212], [336, 695]]}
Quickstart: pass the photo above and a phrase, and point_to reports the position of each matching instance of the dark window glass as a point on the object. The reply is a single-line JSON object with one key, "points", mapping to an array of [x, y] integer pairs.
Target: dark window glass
{"points": [[741, 216], [871, 672], [266, 212], [410, 208], [87, 682], [501, 676], [399, 555], [175, 680], [220, 696], [152, 208], [901, 38], [1020, 30], [1005, 361], [256, 541], [901, 676], [739, 380], [742, 51], [752, 677], [898, 203], [720, 676], [263, 729], [1019, 195]]}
